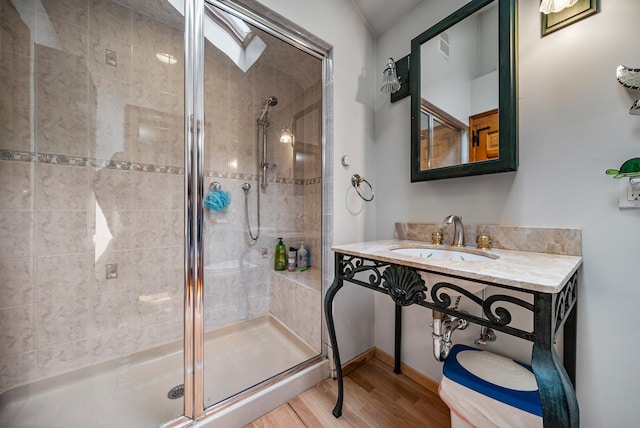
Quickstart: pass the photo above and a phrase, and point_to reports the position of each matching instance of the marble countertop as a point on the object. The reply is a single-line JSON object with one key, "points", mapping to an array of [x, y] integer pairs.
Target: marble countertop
{"points": [[526, 270]]}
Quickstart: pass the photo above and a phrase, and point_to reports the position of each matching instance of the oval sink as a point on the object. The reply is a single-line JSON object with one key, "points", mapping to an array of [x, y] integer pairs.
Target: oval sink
{"points": [[442, 254]]}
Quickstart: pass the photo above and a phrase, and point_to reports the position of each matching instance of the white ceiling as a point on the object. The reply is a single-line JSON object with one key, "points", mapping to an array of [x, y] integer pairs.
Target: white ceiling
{"points": [[381, 14]]}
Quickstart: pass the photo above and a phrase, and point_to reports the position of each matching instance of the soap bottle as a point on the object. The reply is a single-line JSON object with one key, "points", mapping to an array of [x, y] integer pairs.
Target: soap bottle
{"points": [[302, 257], [291, 266], [280, 259]]}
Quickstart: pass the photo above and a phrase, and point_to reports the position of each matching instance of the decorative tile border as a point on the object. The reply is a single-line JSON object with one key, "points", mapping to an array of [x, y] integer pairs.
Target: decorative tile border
{"points": [[81, 161], [8, 155], [54, 159], [316, 180]]}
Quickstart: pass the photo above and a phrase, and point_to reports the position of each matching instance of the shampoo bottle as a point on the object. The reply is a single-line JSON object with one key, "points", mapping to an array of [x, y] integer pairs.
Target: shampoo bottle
{"points": [[280, 259], [291, 266]]}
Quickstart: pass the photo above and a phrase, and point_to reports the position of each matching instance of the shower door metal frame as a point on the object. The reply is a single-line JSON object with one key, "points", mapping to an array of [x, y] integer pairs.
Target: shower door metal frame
{"points": [[256, 14], [194, 210]]}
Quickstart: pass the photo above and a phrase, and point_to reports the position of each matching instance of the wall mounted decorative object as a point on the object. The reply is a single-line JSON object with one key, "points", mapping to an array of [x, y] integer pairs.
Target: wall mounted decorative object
{"points": [[629, 187], [630, 78], [630, 169], [555, 21]]}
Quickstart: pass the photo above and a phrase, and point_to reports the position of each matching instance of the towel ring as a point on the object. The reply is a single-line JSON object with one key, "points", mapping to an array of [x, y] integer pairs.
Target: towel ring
{"points": [[356, 180]]}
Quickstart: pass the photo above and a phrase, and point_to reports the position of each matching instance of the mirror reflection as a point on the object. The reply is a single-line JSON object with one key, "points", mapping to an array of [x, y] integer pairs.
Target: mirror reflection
{"points": [[459, 93], [464, 99]]}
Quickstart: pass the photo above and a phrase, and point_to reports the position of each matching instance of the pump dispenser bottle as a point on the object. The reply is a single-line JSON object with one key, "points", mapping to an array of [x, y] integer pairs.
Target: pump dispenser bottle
{"points": [[280, 259]]}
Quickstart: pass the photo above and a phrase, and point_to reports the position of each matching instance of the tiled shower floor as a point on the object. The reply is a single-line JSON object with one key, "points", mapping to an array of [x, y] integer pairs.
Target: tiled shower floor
{"points": [[134, 394]]}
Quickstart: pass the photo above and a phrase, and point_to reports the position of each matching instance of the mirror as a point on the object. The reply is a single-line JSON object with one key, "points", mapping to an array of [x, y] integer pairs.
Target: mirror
{"points": [[464, 117]]}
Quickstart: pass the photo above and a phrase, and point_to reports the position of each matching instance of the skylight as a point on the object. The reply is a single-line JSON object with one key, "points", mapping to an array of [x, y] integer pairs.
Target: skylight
{"points": [[229, 34]]}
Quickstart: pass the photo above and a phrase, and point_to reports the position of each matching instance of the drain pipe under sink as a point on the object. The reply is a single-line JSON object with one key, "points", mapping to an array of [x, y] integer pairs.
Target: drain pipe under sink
{"points": [[443, 327]]}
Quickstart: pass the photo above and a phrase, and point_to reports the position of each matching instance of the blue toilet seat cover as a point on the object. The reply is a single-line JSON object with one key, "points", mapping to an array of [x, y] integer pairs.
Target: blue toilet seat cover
{"points": [[529, 401]]}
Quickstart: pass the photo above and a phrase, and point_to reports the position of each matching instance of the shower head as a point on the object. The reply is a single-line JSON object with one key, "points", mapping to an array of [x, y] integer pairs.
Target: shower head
{"points": [[271, 101]]}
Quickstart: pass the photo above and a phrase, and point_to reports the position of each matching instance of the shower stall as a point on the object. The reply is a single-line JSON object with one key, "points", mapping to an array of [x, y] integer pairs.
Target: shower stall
{"points": [[124, 301]]}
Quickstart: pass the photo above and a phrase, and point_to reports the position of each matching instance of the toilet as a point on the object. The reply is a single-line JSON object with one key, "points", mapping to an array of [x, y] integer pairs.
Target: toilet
{"points": [[483, 389]]}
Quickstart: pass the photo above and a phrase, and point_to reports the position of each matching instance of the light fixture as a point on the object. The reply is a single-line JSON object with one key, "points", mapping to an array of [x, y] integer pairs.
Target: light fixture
{"points": [[555, 6], [390, 82], [286, 137]]}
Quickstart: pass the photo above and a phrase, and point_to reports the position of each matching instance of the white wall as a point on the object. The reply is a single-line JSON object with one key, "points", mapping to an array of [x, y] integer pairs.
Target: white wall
{"points": [[461, 66], [574, 124], [458, 83], [338, 23]]}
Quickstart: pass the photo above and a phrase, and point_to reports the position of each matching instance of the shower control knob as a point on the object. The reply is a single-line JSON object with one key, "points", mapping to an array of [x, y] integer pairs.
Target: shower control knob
{"points": [[346, 160]]}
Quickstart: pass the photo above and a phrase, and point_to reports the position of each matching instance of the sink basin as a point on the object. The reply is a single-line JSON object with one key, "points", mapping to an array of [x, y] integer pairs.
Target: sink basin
{"points": [[442, 254], [447, 254]]}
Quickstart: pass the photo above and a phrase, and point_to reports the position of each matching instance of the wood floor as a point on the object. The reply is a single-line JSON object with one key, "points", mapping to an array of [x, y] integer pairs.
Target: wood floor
{"points": [[374, 397]]}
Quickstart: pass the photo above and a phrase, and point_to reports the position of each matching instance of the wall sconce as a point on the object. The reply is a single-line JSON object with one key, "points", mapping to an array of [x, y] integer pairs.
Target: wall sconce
{"points": [[390, 82], [286, 136], [396, 78], [555, 6]]}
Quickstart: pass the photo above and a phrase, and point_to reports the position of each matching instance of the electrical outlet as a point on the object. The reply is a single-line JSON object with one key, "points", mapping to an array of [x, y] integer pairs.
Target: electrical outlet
{"points": [[633, 190], [629, 194]]}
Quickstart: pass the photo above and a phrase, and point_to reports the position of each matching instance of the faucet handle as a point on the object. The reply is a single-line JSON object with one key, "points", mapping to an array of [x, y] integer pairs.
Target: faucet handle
{"points": [[484, 242]]}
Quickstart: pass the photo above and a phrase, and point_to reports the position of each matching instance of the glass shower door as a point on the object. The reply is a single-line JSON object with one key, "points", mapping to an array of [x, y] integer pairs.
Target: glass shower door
{"points": [[258, 187], [91, 220]]}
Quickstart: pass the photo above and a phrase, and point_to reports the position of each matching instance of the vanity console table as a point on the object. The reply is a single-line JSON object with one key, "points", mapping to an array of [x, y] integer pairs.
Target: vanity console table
{"points": [[554, 288]]}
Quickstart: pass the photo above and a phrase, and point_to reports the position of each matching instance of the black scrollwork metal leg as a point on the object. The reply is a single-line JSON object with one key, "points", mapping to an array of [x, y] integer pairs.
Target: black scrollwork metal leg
{"points": [[328, 310], [398, 340], [559, 403], [569, 344]]}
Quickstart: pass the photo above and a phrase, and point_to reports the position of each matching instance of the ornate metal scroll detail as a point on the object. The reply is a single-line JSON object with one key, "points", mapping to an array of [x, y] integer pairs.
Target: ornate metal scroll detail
{"points": [[404, 285], [500, 316], [566, 299], [350, 266], [442, 300]]}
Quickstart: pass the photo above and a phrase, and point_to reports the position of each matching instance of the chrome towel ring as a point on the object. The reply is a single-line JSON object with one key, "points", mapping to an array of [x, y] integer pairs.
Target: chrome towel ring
{"points": [[356, 181]]}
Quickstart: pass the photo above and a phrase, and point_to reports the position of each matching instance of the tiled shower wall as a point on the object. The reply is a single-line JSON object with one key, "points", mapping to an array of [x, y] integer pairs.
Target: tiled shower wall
{"points": [[91, 142]]}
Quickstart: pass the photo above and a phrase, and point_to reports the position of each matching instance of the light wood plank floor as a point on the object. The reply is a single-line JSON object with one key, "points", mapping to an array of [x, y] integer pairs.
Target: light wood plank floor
{"points": [[374, 397]]}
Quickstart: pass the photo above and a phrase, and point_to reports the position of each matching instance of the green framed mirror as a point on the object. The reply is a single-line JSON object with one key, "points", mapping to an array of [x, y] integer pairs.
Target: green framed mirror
{"points": [[464, 93]]}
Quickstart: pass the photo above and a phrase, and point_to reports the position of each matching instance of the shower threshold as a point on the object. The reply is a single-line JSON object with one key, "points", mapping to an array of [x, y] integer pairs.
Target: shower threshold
{"points": [[132, 391]]}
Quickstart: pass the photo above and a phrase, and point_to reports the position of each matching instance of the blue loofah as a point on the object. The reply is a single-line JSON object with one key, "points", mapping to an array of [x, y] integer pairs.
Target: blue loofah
{"points": [[217, 200]]}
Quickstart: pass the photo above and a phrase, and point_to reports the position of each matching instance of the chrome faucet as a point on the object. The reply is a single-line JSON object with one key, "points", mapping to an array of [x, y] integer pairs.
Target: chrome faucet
{"points": [[458, 230]]}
